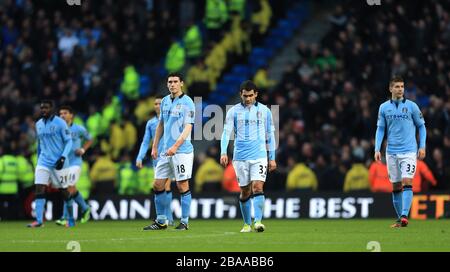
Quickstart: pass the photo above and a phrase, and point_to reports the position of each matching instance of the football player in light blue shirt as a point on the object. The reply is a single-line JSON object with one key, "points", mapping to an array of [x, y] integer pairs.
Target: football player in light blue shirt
{"points": [[149, 135], [54, 145], [175, 125], [78, 133], [400, 118], [254, 131]]}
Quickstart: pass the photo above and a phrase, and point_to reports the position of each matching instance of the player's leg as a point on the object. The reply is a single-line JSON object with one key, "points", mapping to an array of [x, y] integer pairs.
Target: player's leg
{"points": [[258, 172], [75, 172], [63, 220], [258, 203], [83, 206], [160, 199], [246, 207], [242, 173], [186, 197], [169, 214], [182, 169], [162, 173], [41, 181], [39, 206], [395, 178], [68, 201], [61, 179], [408, 169]]}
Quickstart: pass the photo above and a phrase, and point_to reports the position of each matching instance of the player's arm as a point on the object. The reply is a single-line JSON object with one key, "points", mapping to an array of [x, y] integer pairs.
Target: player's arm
{"points": [[144, 145], [183, 136], [67, 138], [379, 135], [189, 119], [38, 148], [87, 143], [227, 129], [270, 141], [419, 122], [158, 132]]}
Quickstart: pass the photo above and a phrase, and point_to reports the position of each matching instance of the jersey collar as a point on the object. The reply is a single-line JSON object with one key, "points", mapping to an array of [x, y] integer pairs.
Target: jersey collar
{"points": [[256, 104], [173, 98], [403, 100], [50, 118]]}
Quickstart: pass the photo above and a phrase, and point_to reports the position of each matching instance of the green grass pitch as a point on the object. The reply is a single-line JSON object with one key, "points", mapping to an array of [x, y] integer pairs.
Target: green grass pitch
{"points": [[224, 235]]}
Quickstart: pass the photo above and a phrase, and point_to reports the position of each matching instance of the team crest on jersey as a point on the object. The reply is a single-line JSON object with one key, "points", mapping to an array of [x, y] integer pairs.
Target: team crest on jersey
{"points": [[52, 129], [405, 110], [259, 115], [178, 107]]}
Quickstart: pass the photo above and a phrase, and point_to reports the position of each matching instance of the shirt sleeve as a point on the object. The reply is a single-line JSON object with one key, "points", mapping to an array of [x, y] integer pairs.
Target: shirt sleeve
{"points": [[417, 116], [270, 134], [189, 112], [67, 138], [379, 135], [85, 134], [227, 129], [145, 142], [161, 107], [420, 124]]}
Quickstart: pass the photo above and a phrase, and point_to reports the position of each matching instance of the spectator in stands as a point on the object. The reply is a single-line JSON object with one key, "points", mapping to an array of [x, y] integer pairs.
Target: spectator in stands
{"points": [[423, 178], [103, 175], [229, 181], [379, 178], [357, 178], [441, 170], [209, 174], [301, 178]]}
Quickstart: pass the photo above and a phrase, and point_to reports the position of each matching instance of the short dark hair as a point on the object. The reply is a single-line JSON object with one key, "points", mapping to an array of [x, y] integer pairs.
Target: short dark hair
{"points": [[47, 101], [175, 74], [248, 85], [395, 79], [67, 108]]}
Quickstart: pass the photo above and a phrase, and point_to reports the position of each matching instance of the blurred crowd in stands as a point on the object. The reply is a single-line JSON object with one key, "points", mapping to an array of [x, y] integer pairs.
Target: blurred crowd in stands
{"points": [[107, 60], [329, 100]]}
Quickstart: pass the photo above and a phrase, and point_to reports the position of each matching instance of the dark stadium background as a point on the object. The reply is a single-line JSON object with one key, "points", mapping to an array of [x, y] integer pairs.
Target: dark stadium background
{"points": [[327, 65]]}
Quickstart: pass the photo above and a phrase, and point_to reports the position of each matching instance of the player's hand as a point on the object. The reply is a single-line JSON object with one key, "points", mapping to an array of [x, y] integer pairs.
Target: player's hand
{"points": [[224, 160], [60, 163], [171, 151], [139, 164], [421, 154], [80, 151], [154, 153], [377, 156], [272, 166]]}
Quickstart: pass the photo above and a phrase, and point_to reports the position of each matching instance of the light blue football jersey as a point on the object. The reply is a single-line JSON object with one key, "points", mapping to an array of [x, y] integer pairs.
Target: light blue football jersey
{"points": [[78, 134], [400, 119], [149, 135], [175, 114], [253, 131], [54, 141]]}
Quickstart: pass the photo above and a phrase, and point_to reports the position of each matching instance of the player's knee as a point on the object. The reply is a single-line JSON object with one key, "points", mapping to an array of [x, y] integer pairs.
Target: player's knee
{"points": [[257, 187], [246, 192], [183, 186], [407, 182], [40, 189], [397, 186], [66, 194], [159, 185], [167, 185]]}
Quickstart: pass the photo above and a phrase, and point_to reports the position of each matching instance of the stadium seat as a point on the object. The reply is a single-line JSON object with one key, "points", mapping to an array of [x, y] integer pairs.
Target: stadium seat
{"points": [[241, 70], [144, 86]]}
